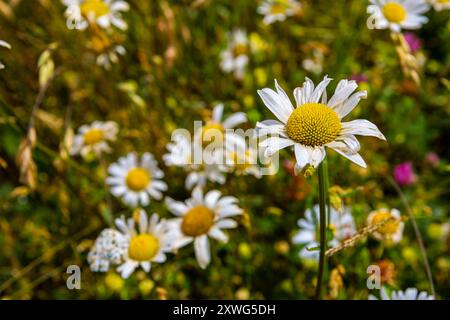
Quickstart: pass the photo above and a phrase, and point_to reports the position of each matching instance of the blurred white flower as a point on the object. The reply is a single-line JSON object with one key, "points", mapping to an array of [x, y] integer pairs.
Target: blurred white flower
{"points": [[314, 125], [204, 156], [93, 138], [136, 180], [408, 294], [397, 14], [278, 10], [242, 156], [110, 57], [104, 13], [341, 227], [201, 217], [5, 45], [181, 155], [390, 231], [108, 249], [439, 5], [236, 56]]}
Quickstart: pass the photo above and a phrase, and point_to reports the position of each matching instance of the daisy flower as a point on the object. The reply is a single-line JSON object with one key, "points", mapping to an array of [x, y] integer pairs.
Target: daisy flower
{"points": [[392, 230], [278, 10], [110, 57], [93, 138], [5, 45], [398, 14], [181, 155], [439, 5], [201, 217], [235, 57], [216, 126], [408, 294], [105, 13], [242, 157], [136, 180], [129, 248], [149, 244], [315, 122], [341, 227]]}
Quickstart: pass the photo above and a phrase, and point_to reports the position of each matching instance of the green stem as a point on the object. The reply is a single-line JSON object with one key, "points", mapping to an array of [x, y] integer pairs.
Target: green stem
{"points": [[423, 250], [323, 200]]}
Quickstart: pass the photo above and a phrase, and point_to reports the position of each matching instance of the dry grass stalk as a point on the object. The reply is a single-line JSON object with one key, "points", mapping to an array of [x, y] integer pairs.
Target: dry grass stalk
{"points": [[408, 61], [24, 159], [360, 235]]}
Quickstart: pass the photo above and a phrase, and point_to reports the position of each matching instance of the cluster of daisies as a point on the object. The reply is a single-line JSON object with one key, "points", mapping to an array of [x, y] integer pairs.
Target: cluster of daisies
{"points": [[307, 129], [136, 180], [103, 18], [311, 126]]}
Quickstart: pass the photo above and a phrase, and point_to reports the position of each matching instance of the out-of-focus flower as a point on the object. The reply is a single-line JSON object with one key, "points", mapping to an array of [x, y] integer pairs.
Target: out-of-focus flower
{"points": [[397, 14], [136, 180], [413, 41], [216, 126], [314, 125], [181, 155], [242, 157], [112, 56], [391, 230], [94, 138], [439, 5], [114, 282], [109, 248], [433, 159], [438, 231], [408, 294], [341, 227], [104, 13], [236, 56], [200, 217], [404, 174], [147, 245], [387, 271], [278, 10], [4, 44]]}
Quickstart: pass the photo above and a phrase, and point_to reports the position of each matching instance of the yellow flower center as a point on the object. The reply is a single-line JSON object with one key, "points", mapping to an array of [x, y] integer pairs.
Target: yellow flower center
{"points": [[212, 132], [97, 7], [442, 1], [313, 124], [388, 228], [197, 221], [240, 49], [138, 179], [394, 12], [241, 162], [277, 8], [93, 136], [143, 247]]}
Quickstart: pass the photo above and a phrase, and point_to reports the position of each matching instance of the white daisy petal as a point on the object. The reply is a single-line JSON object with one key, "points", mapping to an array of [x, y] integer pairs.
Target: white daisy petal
{"points": [[361, 127], [235, 120], [202, 251]]}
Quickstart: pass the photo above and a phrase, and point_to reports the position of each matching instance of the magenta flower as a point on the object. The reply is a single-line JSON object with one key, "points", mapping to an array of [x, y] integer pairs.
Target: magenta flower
{"points": [[404, 174], [413, 41]]}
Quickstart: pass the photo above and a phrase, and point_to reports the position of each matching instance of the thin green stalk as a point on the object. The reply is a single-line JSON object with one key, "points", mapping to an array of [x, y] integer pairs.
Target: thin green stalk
{"points": [[423, 250], [323, 196]]}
